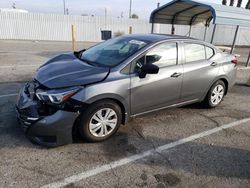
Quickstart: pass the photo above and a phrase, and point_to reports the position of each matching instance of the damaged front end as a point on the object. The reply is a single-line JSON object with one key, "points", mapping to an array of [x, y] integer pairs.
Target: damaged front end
{"points": [[48, 116]]}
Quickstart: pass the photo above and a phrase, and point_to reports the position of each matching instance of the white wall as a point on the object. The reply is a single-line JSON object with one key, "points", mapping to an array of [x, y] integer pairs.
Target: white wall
{"points": [[31, 26]]}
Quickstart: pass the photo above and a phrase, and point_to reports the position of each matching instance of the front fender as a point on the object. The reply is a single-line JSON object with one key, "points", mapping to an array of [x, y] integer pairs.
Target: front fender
{"points": [[109, 96], [118, 90]]}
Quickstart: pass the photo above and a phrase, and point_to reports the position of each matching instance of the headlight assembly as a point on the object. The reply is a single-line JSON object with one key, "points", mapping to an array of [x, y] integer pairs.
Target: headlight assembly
{"points": [[57, 96]]}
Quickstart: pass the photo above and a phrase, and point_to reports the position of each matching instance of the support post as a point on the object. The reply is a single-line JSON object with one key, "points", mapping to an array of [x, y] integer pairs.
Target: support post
{"points": [[212, 39], [64, 7], [152, 28], [105, 18], [205, 34], [248, 59], [235, 37], [190, 29], [130, 7], [173, 30], [73, 37], [130, 30]]}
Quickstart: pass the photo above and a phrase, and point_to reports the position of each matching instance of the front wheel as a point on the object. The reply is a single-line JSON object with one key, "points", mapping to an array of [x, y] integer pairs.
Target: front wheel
{"points": [[215, 94], [100, 121]]}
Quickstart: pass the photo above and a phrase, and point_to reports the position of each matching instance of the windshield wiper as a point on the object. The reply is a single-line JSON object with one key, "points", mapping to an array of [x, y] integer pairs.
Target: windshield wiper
{"points": [[79, 53], [88, 61], [85, 60]]}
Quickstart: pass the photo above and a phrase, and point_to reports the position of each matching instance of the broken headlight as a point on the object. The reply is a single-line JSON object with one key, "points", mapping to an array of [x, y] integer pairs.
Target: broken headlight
{"points": [[57, 96]]}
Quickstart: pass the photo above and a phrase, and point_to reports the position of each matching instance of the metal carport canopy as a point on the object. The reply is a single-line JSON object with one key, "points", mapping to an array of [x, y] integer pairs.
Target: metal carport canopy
{"points": [[187, 12]]}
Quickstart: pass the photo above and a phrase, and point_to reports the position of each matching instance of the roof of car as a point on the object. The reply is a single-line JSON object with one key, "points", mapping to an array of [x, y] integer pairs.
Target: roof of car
{"points": [[157, 37]]}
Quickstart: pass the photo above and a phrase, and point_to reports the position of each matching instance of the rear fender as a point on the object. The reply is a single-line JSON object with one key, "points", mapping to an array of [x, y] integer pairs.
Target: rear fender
{"points": [[224, 78]]}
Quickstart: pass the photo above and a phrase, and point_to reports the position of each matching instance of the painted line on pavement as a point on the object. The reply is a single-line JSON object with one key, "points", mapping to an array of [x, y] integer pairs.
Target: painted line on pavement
{"points": [[16, 66], [127, 160], [9, 95]]}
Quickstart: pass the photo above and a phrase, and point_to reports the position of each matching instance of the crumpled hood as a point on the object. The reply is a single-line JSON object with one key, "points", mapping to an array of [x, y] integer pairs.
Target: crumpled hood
{"points": [[66, 70]]}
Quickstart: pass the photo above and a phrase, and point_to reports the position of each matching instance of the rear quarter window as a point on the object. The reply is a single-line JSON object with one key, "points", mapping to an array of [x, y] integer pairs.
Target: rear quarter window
{"points": [[209, 52]]}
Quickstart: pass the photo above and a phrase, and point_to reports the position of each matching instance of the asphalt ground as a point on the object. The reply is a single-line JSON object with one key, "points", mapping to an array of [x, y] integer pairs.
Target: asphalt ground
{"points": [[181, 147], [221, 159], [19, 60]]}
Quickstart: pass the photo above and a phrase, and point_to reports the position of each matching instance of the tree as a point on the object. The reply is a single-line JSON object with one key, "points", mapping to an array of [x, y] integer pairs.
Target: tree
{"points": [[224, 2], [239, 3], [134, 16], [231, 3], [248, 5]]}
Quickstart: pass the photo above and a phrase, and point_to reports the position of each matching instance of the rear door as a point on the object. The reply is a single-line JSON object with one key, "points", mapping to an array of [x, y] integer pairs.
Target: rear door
{"points": [[157, 90], [199, 70]]}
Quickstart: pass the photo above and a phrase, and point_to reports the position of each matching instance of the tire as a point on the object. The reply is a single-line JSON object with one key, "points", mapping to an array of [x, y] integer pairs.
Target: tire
{"points": [[215, 95], [93, 121]]}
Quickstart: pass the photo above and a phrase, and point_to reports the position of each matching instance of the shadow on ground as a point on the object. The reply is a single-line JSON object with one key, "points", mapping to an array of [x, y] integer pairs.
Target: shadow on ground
{"points": [[196, 158]]}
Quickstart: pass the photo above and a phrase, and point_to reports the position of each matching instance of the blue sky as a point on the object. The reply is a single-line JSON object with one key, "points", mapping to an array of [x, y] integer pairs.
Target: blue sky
{"points": [[96, 7]]}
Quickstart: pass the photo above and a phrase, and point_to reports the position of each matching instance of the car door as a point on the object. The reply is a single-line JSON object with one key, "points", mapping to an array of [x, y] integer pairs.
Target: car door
{"points": [[199, 70], [157, 90]]}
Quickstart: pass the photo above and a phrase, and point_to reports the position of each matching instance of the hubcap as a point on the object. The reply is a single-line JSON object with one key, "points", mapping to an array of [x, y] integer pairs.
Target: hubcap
{"points": [[217, 94], [103, 122]]}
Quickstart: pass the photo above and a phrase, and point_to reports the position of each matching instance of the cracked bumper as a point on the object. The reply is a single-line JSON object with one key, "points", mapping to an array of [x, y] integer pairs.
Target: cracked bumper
{"points": [[52, 130]]}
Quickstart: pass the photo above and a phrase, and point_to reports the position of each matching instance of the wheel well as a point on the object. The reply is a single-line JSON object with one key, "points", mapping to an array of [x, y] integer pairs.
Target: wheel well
{"points": [[226, 84], [75, 133], [120, 105], [122, 108]]}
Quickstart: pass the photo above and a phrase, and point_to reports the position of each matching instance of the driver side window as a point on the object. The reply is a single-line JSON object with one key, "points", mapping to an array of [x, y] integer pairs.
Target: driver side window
{"points": [[162, 55]]}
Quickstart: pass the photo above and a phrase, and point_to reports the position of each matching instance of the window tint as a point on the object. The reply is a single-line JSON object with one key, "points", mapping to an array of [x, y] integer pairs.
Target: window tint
{"points": [[209, 52], [163, 55], [112, 52], [194, 52]]}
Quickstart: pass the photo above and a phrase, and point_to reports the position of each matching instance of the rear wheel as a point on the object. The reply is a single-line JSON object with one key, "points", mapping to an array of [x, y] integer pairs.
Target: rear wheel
{"points": [[100, 121], [215, 94]]}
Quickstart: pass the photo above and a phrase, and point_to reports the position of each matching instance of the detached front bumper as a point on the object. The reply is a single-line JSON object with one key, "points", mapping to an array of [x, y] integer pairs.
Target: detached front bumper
{"points": [[52, 130]]}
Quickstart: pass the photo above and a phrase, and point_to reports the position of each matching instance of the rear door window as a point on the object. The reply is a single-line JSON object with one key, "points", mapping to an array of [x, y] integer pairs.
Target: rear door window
{"points": [[194, 52]]}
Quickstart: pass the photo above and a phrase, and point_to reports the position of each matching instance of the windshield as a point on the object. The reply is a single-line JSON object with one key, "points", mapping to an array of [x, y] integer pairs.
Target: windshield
{"points": [[112, 52]]}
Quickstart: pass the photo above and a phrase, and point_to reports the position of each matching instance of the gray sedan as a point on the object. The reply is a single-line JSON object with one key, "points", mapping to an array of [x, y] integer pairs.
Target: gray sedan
{"points": [[93, 91]]}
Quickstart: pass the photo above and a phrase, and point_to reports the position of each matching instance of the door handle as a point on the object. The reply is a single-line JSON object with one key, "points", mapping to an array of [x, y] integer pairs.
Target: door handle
{"points": [[213, 64], [176, 75]]}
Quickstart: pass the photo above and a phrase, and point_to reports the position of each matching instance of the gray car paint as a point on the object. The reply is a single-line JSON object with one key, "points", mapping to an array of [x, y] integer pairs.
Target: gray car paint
{"points": [[66, 70], [135, 95], [154, 92], [59, 124]]}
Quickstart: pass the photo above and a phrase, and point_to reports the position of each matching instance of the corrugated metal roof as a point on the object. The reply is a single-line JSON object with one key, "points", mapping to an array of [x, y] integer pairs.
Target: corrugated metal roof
{"points": [[187, 12]]}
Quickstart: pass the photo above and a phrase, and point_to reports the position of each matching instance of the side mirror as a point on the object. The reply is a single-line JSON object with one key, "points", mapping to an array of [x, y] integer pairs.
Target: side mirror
{"points": [[148, 69], [150, 59]]}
